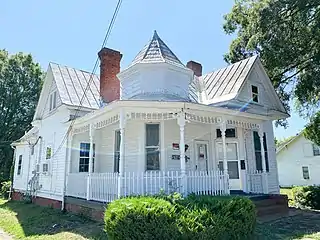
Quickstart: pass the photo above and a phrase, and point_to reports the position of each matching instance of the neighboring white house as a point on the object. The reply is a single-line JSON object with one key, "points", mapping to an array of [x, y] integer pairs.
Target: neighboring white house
{"points": [[298, 162], [157, 124]]}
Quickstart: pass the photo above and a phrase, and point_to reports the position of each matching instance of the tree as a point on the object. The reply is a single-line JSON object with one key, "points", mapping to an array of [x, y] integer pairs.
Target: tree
{"points": [[286, 36], [20, 86]]}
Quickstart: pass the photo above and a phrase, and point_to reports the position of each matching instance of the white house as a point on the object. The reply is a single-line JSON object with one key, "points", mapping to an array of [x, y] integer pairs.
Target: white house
{"points": [[298, 162], [156, 125]]}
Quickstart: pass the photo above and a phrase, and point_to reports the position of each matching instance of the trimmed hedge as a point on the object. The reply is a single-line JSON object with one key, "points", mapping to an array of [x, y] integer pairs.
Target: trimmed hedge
{"points": [[307, 196], [166, 217]]}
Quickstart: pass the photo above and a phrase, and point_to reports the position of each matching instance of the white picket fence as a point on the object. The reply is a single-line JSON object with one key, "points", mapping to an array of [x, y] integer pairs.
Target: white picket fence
{"points": [[256, 181], [103, 187]]}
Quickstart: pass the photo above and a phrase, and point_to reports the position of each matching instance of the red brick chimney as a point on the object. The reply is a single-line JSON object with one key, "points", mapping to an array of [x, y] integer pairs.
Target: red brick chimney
{"points": [[195, 67], [109, 68]]}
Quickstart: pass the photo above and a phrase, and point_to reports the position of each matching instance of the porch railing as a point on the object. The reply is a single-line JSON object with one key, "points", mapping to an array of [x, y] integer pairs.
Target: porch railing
{"points": [[257, 182], [104, 186]]}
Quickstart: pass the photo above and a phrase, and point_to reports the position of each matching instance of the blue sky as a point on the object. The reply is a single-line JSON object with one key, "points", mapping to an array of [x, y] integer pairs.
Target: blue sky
{"points": [[71, 32]]}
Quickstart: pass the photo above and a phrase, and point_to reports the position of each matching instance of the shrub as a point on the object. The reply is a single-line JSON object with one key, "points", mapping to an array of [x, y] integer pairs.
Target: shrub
{"points": [[5, 189], [307, 196], [172, 217]]}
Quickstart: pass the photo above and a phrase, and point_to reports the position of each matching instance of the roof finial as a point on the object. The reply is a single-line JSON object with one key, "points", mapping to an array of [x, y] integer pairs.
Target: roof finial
{"points": [[155, 34]]}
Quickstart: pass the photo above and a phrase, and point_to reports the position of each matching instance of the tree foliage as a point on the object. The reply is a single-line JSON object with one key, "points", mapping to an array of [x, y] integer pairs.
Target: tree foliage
{"points": [[286, 36], [20, 86]]}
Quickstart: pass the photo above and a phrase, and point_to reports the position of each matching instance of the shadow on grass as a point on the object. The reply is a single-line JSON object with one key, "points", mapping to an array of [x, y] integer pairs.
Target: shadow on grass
{"points": [[36, 220], [298, 226]]}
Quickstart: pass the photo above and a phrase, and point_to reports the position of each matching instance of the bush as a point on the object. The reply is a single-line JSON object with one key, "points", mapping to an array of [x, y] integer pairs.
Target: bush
{"points": [[171, 217], [307, 196], [5, 189]]}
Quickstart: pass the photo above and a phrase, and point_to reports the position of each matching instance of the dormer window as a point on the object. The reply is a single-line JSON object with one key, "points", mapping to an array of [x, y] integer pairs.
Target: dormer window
{"points": [[255, 94], [53, 101]]}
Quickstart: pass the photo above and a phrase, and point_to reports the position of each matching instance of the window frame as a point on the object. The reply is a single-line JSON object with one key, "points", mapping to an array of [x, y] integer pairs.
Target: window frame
{"points": [[255, 95], [315, 148], [303, 173], [155, 147], [86, 159], [259, 151], [53, 101], [19, 166]]}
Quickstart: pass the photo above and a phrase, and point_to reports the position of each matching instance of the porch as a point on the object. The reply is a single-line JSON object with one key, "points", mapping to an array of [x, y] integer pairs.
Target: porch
{"points": [[130, 152]]}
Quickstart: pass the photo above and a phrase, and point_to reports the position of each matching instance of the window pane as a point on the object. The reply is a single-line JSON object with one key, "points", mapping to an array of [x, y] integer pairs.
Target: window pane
{"points": [[316, 150], [117, 140], [255, 98], [305, 172], [152, 135], [116, 161], [256, 141], [153, 159], [254, 89], [230, 133], [220, 151], [232, 153], [258, 160], [233, 169]]}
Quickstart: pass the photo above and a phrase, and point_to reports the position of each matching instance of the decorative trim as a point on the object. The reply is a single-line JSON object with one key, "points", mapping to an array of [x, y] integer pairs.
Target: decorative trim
{"points": [[81, 129], [203, 119], [246, 125], [106, 122], [151, 116]]}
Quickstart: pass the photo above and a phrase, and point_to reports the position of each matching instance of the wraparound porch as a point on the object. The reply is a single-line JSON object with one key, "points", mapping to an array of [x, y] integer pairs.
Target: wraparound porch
{"points": [[125, 159]]}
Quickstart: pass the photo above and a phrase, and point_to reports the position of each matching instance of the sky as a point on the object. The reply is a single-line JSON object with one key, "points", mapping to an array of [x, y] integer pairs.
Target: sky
{"points": [[71, 32]]}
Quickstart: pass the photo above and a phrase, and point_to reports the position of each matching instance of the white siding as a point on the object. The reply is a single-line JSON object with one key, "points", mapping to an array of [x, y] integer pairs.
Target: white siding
{"points": [[46, 98], [20, 181], [292, 158], [256, 78]]}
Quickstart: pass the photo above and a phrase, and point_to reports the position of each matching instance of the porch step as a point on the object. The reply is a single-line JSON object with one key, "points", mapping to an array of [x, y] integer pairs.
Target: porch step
{"points": [[271, 205]]}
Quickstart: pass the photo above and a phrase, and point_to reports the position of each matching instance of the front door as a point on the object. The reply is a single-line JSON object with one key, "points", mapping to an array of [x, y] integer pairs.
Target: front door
{"points": [[202, 155], [233, 163]]}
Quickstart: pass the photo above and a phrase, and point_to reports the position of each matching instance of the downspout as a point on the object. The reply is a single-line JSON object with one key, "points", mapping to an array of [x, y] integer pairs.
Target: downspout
{"points": [[14, 166], [66, 169]]}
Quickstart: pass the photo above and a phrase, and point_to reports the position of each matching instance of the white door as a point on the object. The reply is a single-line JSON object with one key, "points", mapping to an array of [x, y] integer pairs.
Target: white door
{"points": [[201, 155], [233, 163]]}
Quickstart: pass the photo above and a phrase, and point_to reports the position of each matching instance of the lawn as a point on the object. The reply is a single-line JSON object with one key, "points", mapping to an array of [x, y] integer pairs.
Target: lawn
{"points": [[28, 221]]}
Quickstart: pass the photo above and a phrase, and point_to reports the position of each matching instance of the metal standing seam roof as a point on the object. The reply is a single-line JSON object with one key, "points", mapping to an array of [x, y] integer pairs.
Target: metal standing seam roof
{"points": [[227, 80], [156, 51], [72, 83]]}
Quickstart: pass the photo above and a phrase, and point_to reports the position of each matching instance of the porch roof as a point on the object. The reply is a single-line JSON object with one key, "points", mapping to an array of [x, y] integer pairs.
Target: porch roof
{"points": [[169, 107]]}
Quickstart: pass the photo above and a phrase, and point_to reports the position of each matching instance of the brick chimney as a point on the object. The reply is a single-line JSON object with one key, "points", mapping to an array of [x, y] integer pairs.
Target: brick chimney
{"points": [[109, 68], [195, 67]]}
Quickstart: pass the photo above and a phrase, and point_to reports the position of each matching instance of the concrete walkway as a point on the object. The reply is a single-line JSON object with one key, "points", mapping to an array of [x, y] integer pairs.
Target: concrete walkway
{"points": [[4, 236]]}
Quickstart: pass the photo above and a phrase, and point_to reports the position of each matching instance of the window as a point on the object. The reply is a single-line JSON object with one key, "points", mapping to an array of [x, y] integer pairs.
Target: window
{"points": [[257, 150], [45, 167], [84, 157], [316, 150], [19, 165], [255, 93], [48, 153], [32, 149], [152, 147], [117, 151], [230, 133], [305, 173], [53, 101]]}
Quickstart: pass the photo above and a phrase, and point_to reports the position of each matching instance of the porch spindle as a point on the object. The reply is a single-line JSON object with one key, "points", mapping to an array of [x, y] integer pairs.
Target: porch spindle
{"points": [[263, 159], [182, 123], [90, 167], [122, 123]]}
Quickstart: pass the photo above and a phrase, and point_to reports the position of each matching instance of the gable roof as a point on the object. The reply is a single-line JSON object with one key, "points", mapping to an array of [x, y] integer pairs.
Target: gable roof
{"points": [[286, 143], [156, 51], [228, 80], [73, 83]]}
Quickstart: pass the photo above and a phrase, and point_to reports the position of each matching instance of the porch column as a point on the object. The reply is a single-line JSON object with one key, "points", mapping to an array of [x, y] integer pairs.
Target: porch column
{"points": [[263, 159], [122, 124], [90, 168], [182, 123], [223, 129]]}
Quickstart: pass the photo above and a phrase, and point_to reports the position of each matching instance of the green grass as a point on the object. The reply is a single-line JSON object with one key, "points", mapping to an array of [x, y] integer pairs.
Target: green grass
{"points": [[30, 222]]}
